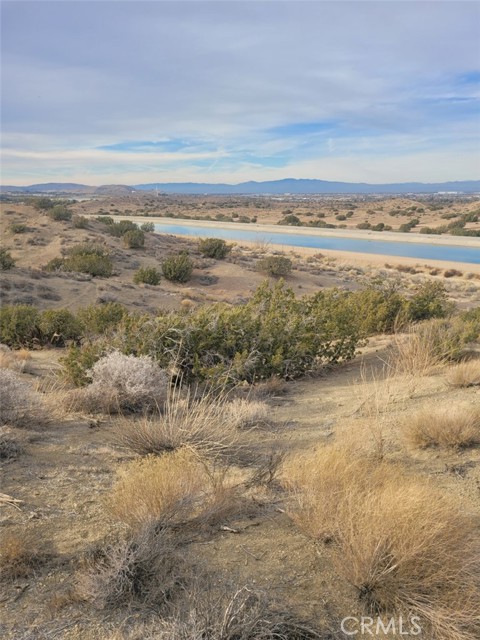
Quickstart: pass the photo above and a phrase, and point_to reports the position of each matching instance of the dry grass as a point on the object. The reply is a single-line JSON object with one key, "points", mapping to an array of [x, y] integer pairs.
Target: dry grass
{"points": [[242, 614], [15, 360], [427, 346], [176, 488], [20, 556], [463, 375], [453, 426], [243, 413], [402, 543], [145, 568], [204, 422], [20, 405], [10, 447]]}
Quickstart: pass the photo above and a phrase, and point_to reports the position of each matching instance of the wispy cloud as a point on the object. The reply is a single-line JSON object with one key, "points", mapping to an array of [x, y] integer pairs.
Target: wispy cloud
{"points": [[141, 91]]}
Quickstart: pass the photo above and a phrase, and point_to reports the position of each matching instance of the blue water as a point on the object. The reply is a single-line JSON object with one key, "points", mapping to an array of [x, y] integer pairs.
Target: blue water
{"points": [[387, 248]]}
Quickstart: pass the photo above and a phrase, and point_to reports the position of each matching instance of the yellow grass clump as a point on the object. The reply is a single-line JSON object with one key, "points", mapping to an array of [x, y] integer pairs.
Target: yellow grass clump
{"points": [[403, 544], [178, 487], [465, 374], [453, 426]]}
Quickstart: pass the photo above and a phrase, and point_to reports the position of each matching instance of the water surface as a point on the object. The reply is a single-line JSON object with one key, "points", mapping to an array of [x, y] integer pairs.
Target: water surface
{"points": [[422, 251]]}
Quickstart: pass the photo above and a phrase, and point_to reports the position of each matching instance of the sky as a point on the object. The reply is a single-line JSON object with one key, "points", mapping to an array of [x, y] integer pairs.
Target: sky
{"points": [[197, 91]]}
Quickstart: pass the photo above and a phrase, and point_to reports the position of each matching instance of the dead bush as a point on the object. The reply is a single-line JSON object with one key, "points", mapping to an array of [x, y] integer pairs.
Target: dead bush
{"points": [[243, 614], [20, 405], [146, 567], [20, 555], [433, 426], [403, 544], [123, 383], [176, 488], [465, 374], [10, 447]]}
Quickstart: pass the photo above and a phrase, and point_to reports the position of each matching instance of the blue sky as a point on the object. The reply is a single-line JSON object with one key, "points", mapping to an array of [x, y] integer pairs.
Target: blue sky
{"points": [[226, 91]]}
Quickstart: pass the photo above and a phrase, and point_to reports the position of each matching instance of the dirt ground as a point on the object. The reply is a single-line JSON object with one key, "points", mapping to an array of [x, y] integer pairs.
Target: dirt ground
{"points": [[69, 466]]}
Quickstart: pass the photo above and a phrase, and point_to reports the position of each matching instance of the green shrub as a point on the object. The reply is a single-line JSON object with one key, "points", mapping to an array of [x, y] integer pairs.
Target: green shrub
{"points": [[43, 203], [147, 275], [291, 220], [119, 229], [60, 212], [429, 301], [273, 334], [134, 239], [6, 260], [78, 361], [214, 248], [148, 227], [18, 227], [178, 268], [80, 222], [87, 248], [56, 264], [274, 265], [105, 219], [59, 325], [92, 264], [19, 325], [100, 319]]}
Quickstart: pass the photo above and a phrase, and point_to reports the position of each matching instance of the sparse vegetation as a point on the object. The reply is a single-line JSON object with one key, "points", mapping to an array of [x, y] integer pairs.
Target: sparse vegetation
{"points": [[20, 405], [397, 539], [455, 427], [214, 248], [178, 268], [277, 266], [147, 275], [6, 260]]}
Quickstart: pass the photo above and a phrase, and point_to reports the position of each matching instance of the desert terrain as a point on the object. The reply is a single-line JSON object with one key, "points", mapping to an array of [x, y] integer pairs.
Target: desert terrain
{"points": [[350, 491]]}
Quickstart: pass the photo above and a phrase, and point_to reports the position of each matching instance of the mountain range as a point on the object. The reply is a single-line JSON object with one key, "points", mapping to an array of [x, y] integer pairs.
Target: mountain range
{"points": [[274, 187]]}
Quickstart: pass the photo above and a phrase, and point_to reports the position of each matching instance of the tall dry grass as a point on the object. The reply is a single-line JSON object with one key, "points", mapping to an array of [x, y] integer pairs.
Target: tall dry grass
{"points": [[403, 544], [208, 421], [173, 489], [463, 375], [454, 426]]}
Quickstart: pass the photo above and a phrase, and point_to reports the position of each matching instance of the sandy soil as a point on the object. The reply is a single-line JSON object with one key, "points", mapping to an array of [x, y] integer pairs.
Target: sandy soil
{"points": [[68, 468]]}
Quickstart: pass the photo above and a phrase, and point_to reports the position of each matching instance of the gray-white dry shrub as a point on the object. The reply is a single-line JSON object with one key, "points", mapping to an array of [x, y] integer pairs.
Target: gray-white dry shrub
{"points": [[125, 383], [145, 568], [20, 405]]}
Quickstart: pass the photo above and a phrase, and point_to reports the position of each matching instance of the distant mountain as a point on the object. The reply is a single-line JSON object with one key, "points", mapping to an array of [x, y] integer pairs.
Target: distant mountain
{"points": [[70, 188], [274, 187], [290, 185]]}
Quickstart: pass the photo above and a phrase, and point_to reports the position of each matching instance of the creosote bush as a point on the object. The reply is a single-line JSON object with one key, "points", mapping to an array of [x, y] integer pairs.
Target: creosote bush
{"points": [[148, 227], [101, 318], [134, 239], [6, 260], [79, 222], [178, 268], [399, 540], [214, 248], [274, 266], [87, 257], [147, 275], [59, 212], [59, 326]]}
